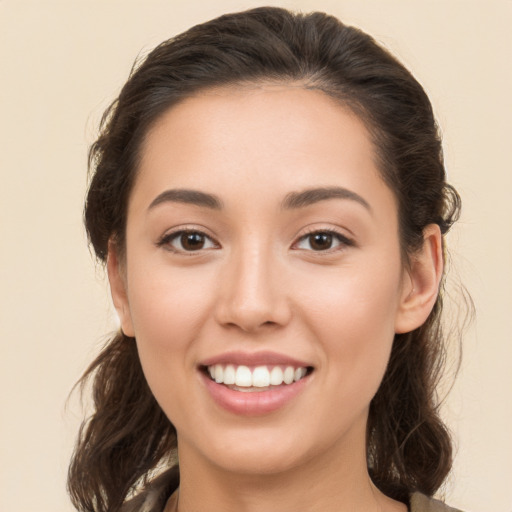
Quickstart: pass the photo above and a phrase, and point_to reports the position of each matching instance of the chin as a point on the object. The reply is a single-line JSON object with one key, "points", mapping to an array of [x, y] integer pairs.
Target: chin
{"points": [[258, 461], [264, 450]]}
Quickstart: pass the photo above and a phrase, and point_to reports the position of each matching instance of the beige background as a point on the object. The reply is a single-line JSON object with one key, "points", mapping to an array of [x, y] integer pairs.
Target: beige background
{"points": [[61, 63]]}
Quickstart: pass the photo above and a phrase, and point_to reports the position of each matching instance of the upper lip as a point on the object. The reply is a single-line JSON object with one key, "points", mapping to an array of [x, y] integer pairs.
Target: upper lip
{"points": [[254, 359]]}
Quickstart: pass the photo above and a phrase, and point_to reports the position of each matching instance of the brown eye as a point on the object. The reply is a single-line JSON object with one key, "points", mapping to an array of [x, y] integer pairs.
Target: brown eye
{"points": [[187, 241], [323, 241], [320, 241], [192, 241]]}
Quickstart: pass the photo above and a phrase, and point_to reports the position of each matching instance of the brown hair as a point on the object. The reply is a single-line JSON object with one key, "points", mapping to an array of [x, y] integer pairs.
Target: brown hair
{"points": [[128, 437]]}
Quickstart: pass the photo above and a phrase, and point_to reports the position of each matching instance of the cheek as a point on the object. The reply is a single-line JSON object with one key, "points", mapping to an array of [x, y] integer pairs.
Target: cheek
{"points": [[353, 316], [168, 305], [353, 300], [168, 310]]}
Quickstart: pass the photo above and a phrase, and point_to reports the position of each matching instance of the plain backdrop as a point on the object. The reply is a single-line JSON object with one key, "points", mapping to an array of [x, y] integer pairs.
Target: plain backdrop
{"points": [[61, 63]]}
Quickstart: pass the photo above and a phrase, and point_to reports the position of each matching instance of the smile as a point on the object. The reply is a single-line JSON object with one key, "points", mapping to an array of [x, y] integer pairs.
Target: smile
{"points": [[259, 378], [252, 384]]}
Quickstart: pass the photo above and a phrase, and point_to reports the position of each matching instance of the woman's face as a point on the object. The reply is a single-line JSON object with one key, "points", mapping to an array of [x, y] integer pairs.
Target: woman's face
{"points": [[262, 244]]}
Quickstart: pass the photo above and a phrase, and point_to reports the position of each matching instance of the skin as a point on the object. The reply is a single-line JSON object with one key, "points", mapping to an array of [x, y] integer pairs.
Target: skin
{"points": [[257, 284]]}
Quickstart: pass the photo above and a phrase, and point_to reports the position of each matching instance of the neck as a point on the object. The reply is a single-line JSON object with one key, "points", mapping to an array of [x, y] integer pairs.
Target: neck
{"points": [[329, 482]]}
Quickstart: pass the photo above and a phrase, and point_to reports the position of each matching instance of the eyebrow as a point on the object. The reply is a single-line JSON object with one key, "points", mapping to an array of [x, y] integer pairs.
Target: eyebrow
{"points": [[314, 195], [187, 196], [292, 201]]}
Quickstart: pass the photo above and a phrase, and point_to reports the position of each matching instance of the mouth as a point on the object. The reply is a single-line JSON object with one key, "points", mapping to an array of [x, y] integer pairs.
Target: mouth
{"points": [[255, 378], [253, 384]]}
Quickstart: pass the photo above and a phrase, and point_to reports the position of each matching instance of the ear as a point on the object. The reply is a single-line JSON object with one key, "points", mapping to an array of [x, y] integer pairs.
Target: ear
{"points": [[421, 282], [117, 279]]}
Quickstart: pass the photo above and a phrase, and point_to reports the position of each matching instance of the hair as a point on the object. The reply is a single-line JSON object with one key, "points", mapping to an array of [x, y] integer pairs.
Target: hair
{"points": [[128, 438]]}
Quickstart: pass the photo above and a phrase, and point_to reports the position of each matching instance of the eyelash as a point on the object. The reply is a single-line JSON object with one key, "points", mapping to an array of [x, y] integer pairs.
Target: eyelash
{"points": [[167, 240], [343, 240]]}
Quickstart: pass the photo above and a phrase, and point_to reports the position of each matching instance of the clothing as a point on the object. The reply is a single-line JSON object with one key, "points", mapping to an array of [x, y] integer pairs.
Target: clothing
{"points": [[155, 497], [421, 503]]}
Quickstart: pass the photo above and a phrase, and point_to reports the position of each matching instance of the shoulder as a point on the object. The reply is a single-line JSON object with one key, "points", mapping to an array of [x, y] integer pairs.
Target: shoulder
{"points": [[154, 497], [422, 503]]}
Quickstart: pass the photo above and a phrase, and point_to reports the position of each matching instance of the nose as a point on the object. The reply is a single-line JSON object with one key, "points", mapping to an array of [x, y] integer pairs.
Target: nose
{"points": [[252, 294]]}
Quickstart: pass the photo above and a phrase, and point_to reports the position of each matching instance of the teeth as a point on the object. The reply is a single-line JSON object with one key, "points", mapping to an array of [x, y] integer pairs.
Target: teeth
{"points": [[243, 376], [261, 377], [219, 373], [229, 374], [289, 374], [276, 376], [258, 377], [299, 373]]}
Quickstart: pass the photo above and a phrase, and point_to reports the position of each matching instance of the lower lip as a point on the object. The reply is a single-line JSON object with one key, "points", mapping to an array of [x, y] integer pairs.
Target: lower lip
{"points": [[253, 403]]}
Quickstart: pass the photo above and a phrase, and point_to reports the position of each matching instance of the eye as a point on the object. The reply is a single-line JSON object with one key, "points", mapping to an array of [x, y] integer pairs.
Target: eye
{"points": [[322, 241], [187, 241]]}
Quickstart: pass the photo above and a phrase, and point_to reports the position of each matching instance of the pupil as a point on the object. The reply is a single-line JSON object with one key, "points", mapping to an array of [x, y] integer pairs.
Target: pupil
{"points": [[192, 241], [321, 241]]}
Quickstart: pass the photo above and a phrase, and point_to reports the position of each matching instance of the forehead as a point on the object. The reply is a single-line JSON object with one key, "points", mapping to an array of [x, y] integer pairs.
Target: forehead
{"points": [[260, 140]]}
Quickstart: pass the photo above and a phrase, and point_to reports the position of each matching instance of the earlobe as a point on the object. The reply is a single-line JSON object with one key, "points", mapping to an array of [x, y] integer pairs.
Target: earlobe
{"points": [[421, 283], [117, 280]]}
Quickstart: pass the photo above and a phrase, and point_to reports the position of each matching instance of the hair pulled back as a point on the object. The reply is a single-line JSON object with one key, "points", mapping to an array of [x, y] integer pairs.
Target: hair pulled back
{"points": [[128, 438]]}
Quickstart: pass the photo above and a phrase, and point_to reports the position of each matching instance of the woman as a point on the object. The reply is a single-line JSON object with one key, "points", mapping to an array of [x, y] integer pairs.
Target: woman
{"points": [[269, 197]]}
